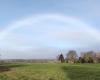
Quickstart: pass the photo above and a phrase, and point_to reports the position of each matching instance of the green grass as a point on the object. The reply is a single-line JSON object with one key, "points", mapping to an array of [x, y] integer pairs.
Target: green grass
{"points": [[50, 71]]}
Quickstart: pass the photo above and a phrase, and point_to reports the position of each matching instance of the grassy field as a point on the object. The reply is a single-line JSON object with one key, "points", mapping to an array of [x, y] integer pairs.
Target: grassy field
{"points": [[39, 71]]}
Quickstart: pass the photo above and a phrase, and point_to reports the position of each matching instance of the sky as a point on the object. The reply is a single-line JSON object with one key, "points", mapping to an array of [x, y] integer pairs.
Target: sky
{"points": [[42, 29]]}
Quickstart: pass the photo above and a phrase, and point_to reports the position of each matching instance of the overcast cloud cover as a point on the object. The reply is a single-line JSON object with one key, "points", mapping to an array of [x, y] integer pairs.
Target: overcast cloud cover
{"points": [[45, 28]]}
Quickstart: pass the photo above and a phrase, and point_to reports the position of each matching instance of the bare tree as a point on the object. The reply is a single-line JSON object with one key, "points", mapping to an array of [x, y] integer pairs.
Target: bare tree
{"points": [[72, 56], [98, 57], [89, 56]]}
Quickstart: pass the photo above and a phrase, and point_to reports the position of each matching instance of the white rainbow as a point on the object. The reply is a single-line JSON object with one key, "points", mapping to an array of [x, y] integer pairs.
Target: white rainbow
{"points": [[39, 18]]}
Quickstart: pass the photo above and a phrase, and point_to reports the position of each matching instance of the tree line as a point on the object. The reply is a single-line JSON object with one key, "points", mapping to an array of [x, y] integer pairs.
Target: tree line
{"points": [[85, 57]]}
